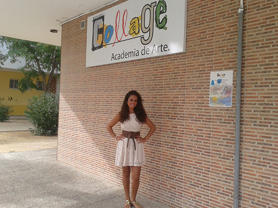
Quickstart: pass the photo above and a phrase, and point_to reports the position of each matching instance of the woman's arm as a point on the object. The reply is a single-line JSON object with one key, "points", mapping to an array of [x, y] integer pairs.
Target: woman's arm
{"points": [[151, 131], [152, 128], [110, 125]]}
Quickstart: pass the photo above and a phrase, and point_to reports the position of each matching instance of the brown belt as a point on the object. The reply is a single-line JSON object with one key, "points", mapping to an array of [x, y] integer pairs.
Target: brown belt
{"points": [[131, 135]]}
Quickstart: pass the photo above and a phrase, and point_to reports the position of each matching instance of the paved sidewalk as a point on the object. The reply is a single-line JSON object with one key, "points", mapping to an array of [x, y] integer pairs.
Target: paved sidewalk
{"points": [[16, 124], [19, 141], [35, 179], [15, 136]]}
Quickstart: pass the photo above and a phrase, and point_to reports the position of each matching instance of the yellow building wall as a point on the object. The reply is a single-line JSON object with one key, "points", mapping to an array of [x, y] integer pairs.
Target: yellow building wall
{"points": [[13, 98]]}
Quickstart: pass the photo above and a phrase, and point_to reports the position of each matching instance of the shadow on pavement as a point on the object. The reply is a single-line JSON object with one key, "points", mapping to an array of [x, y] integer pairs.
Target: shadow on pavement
{"points": [[36, 179]]}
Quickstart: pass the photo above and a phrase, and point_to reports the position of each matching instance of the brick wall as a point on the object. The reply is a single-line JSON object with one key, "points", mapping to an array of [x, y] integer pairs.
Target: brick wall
{"points": [[259, 167], [190, 156]]}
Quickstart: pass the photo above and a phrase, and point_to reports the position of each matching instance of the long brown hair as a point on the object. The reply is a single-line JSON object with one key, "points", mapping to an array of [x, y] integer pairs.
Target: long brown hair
{"points": [[138, 110]]}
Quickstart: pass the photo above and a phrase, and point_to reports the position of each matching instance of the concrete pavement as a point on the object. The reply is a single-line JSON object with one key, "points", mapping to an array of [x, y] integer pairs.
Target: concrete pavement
{"points": [[35, 179], [16, 124], [15, 136], [31, 177], [20, 141]]}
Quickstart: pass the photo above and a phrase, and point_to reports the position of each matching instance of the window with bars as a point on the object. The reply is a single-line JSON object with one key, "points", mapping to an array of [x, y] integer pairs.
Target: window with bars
{"points": [[13, 83]]}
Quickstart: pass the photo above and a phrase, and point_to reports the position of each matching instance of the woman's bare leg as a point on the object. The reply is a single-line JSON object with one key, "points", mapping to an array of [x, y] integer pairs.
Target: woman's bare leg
{"points": [[126, 181], [135, 174]]}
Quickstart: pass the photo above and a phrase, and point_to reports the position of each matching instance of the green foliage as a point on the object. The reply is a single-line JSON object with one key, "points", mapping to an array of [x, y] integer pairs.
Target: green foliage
{"points": [[27, 81], [4, 113], [41, 59], [42, 111]]}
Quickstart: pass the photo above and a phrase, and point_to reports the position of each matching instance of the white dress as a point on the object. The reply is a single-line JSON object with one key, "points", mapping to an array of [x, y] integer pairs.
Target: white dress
{"points": [[127, 155]]}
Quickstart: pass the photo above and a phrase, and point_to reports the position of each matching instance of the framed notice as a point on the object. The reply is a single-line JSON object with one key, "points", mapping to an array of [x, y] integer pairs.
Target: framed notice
{"points": [[136, 29], [221, 89]]}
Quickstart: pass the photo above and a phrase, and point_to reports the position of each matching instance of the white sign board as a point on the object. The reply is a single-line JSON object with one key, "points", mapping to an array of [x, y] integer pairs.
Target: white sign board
{"points": [[221, 89], [136, 29]]}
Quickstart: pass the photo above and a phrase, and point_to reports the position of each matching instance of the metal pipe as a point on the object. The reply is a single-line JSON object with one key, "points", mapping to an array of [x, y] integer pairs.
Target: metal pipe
{"points": [[238, 102]]}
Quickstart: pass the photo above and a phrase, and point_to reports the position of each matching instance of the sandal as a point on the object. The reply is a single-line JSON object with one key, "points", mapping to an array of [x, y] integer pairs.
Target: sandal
{"points": [[128, 204], [136, 204]]}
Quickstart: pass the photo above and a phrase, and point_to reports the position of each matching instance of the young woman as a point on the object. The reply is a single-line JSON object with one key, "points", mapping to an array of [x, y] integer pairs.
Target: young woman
{"points": [[130, 147]]}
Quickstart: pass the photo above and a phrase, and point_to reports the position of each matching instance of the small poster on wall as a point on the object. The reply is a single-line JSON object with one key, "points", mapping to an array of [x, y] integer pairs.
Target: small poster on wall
{"points": [[221, 87]]}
